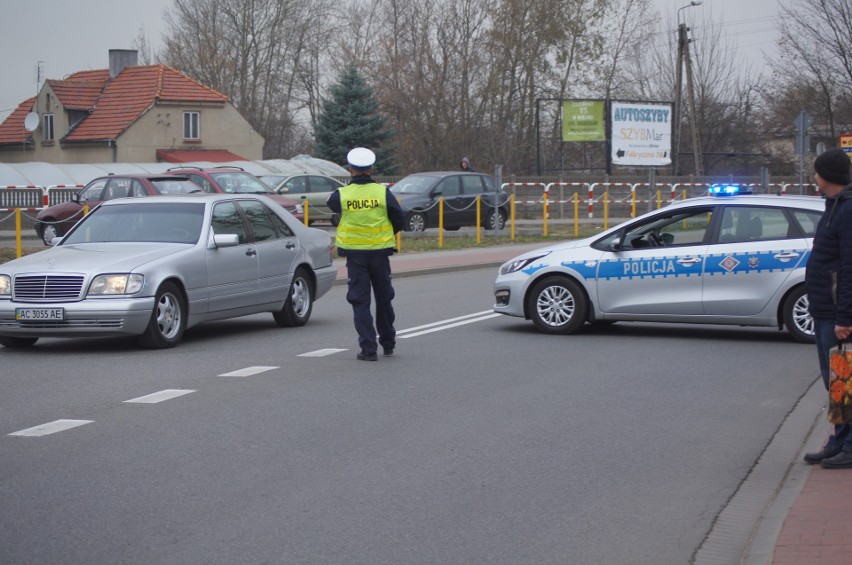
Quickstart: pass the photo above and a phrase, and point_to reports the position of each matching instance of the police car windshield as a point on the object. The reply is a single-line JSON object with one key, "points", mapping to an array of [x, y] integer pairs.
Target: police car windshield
{"points": [[414, 185]]}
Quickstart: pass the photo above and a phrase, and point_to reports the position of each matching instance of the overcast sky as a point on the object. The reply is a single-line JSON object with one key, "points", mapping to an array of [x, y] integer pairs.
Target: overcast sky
{"points": [[75, 35]]}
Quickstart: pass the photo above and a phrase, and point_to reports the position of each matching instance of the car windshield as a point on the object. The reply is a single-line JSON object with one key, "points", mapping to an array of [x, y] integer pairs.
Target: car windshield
{"points": [[414, 185], [168, 222], [240, 183]]}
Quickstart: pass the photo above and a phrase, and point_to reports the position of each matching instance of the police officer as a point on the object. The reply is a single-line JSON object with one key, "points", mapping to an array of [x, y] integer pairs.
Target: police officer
{"points": [[369, 217]]}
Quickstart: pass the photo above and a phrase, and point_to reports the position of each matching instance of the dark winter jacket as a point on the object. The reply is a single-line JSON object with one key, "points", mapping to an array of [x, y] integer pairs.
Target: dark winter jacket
{"points": [[828, 276]]}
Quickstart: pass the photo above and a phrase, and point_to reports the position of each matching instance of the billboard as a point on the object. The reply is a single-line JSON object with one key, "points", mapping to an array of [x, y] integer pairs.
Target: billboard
{"points": [[584, 120], [641, 133]]}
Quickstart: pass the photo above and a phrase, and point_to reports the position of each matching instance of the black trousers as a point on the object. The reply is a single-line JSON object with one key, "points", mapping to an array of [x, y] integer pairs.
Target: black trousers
{"points": [[368, 273]]}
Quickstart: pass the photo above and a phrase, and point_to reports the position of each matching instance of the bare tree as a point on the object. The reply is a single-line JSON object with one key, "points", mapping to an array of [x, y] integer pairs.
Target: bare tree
{"points": [[814, 68]]}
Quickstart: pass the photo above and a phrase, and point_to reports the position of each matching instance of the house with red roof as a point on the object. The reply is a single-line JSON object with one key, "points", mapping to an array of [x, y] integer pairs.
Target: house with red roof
{"points": [[130, 114]]}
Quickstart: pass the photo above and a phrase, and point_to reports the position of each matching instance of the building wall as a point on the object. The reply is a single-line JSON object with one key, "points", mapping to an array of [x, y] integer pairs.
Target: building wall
{"points": [[161, 127]]}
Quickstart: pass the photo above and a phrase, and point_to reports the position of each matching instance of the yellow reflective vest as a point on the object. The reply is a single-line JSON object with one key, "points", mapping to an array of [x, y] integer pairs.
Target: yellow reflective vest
{"points": [[364, 222]]}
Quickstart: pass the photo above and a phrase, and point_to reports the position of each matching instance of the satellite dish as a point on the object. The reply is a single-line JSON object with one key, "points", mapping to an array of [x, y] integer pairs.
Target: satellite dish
{"points": [[31, 121]]}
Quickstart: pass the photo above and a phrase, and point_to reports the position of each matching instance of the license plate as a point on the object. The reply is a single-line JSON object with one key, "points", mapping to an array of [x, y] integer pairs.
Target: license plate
{"points": [[40, 314]]}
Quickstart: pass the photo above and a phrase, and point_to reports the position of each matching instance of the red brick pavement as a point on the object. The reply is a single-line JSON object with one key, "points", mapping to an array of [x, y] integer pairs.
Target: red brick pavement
{"points": [[818, 527]]}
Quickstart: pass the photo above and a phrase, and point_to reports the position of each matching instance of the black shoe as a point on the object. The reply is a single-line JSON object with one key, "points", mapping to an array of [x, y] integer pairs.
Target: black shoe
{"points": [[367, 357], [387, 351], [842, 460], [816, 456]]}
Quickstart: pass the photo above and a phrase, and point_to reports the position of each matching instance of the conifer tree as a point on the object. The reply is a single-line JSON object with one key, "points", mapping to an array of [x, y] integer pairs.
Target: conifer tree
{"points": [[350, 118]]}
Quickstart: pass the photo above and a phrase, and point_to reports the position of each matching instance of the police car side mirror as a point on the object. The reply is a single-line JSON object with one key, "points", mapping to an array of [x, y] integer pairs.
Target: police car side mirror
{"points": [[616, 244]]}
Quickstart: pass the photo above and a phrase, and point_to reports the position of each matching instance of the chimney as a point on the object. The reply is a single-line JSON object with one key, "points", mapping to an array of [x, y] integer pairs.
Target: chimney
{"points": [[120, 58]]}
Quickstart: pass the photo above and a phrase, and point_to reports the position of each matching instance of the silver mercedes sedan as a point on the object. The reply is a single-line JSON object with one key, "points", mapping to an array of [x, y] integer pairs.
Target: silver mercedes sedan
{"points": [[726, 259], [154, 267]]}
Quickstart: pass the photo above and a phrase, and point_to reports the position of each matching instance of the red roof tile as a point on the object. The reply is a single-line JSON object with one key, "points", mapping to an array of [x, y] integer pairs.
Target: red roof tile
{"points": [[12, 129], [81, 90], [132, 93]]}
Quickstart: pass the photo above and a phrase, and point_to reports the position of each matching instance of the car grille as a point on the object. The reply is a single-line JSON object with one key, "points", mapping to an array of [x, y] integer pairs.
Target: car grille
{"points": [[66, 324], [48, 288]]}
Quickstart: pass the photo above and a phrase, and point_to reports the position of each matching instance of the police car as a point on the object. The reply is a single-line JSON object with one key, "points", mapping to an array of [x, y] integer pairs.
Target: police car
{"points": [[725, 258]]}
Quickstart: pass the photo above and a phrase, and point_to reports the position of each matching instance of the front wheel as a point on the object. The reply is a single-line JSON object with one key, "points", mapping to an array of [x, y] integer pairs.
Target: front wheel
{"points": [[557, 305], [18, 342], [299, 304], [797, 319], [168, 320], [416, 222]]}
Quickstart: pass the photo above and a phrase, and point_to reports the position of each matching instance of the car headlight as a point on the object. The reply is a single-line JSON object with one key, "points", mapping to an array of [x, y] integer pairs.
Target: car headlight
{"points": [[518, 264], [5, 286], [116, 284]]}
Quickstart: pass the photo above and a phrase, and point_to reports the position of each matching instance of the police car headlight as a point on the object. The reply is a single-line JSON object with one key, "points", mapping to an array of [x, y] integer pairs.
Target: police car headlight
{"points": [[518, 264]]}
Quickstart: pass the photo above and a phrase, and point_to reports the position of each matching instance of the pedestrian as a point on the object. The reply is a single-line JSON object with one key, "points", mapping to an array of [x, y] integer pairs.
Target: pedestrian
{"points": [[828, 281], [466, 166], [370, 216]]}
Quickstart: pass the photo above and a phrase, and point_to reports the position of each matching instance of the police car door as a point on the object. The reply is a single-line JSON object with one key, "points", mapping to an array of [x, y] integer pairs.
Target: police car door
{"points": [[756, 251], [653, 267]]}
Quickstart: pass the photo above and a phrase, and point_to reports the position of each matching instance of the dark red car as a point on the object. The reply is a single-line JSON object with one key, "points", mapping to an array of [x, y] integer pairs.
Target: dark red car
{"points": [[56, 220], [235, 180]]}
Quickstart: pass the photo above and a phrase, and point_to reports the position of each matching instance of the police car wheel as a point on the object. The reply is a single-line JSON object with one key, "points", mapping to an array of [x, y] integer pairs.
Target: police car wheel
{"points": [[797, 319], [299, 304], [557, 305]]}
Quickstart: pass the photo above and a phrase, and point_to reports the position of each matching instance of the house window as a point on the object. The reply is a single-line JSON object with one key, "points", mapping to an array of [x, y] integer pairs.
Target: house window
{"points": [[191, 125], [47, 127]]}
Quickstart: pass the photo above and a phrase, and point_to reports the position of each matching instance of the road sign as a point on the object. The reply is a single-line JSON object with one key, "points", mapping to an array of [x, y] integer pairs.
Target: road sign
{"points": [[846, 142], [803, 140]]}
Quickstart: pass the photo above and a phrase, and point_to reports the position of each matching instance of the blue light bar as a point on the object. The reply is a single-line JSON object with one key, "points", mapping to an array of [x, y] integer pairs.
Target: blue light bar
{"points": [[727, 190]]}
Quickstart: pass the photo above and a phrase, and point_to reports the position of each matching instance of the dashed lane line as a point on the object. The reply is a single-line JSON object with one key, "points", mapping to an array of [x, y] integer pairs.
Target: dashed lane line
{"points": [[51, 428], [156, 397], [248, 371]]}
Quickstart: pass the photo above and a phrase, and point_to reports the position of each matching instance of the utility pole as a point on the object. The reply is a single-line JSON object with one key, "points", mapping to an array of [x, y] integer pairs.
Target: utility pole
{"points": [[684, 58]]}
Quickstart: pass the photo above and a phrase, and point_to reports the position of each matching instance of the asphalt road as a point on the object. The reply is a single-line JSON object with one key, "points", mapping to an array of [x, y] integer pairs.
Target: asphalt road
{"points": [[482, 440]]}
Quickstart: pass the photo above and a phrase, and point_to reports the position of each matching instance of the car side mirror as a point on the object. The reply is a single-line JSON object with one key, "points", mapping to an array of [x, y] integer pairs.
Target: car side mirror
{"points": [[284, 190], [226, 240], [616, 244]]}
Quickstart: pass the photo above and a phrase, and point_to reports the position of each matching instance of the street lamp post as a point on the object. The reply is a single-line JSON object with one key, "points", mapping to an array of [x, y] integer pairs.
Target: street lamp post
{"points": [[683, 57]]}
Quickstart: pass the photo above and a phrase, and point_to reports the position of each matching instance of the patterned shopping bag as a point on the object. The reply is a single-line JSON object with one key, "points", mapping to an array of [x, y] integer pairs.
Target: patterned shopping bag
{"points": [[840, 385]]}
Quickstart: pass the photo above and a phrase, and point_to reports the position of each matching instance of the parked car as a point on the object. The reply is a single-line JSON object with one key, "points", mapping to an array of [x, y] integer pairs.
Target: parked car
{"points": [[419, 194], [230, 179], [155, 267], [57, 220], [314, 189], [737, 260]]}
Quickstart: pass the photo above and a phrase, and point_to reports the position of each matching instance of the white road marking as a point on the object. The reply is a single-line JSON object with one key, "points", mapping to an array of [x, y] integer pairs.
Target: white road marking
{"points": [[448, 326], [153, 398], [248, 371], [442, 322], [51, 428], [321, 352]]}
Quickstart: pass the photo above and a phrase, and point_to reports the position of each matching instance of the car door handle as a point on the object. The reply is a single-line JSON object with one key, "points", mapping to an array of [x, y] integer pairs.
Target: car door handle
{"points": [[689, 260], [251, 252], [290, 245], [786, 256]]}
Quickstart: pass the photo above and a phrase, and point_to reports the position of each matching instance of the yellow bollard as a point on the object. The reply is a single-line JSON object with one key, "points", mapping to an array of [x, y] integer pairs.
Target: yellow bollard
{"points": [[19, 250], [478, 218], [545, 214], [512, 217], [441, 222], [305, 207], [659, 200], [398, 241], [576, 215], [633, 203]]}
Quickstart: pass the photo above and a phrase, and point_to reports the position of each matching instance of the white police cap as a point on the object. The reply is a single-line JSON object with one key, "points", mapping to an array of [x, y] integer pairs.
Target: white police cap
{"points": [[361, 158]]}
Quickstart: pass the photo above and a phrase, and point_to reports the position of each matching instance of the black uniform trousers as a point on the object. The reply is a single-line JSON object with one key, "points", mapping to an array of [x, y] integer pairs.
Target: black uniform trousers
{"points": [[366, 271]]}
